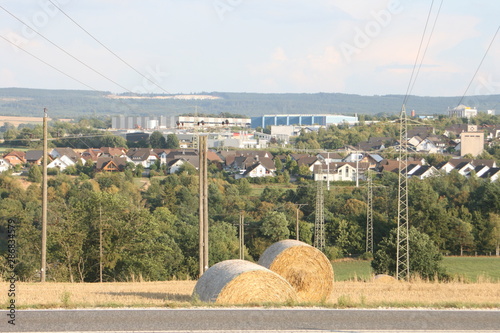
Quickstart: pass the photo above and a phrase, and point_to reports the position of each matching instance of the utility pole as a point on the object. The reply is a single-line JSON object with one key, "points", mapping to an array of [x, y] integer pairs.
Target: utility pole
{"points": [[369, 214], [319, 224], [100, 239], [203, 204], [357, 169], [242, 235], [297, 221], [44, 197], [402, 251]]}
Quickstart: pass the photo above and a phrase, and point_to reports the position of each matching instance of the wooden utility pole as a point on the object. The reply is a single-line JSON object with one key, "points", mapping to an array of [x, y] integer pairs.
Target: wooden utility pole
{"points": [[44, 198], [242, 235], [203, 204], [297, 221], [100, 239]]}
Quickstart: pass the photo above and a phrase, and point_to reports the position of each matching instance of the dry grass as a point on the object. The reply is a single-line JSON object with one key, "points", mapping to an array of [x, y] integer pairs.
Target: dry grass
{"points": [[123, 294], [416, 294], [178, 294]]}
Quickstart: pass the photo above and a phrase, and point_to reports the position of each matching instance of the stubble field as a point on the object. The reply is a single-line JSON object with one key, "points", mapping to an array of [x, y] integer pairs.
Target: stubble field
{"points": [[346, 294]]}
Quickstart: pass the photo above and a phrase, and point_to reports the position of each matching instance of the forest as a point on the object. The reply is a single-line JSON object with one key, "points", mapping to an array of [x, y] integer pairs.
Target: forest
{"points": [[76, 103], [148, 228]]}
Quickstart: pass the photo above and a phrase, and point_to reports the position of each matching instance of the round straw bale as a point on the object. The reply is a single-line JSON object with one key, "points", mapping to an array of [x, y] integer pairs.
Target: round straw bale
{"points": [[384, 278], [242, 282], [306, 268]]}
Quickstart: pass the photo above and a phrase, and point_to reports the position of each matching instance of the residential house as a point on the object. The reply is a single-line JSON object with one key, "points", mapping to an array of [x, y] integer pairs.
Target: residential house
{"points": [[175, 164], [15, 157], [464, 165], [257, 169], [335, 171], [69, 152], [376, 143], [329, 157], [142, 156], [4, 165], [428, 146], [34, 157], [309, 161], [480, 170], [61, 162], [493, 174], [421, 131], [111, 151], [162, 155], [91, 154], [111, 163], [421, 171]]}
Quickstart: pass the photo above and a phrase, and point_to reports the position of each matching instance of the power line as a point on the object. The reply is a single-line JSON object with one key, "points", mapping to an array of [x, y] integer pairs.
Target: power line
{"points": [[478, 67], [418, 54], [66, 52], [107, 48], [46, 63], [426, 48]]}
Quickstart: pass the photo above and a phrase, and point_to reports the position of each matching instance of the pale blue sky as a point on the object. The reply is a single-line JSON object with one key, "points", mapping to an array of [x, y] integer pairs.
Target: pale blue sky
{"points": [[273, 46]]}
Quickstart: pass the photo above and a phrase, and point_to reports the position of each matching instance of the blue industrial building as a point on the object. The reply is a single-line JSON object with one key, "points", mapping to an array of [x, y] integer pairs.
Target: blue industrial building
{"points": [[301, 120]]}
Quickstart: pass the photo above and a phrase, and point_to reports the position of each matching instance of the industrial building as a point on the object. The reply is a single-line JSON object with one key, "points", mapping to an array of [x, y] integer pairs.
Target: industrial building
{"points": [[161, 122], [462, 111], [302, 120]]}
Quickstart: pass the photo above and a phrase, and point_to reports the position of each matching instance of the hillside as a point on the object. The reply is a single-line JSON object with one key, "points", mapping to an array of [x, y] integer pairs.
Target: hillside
{"points": [[74, 103]]}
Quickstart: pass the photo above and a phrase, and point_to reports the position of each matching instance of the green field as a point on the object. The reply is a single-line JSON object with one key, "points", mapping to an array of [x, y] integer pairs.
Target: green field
{"points": [[470, 269], [352, 270], [473, 268]]}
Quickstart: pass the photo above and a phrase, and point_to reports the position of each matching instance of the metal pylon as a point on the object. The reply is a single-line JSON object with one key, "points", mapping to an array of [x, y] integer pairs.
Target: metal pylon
{"points": [[369, 214], [402, 251], [319, 224]]}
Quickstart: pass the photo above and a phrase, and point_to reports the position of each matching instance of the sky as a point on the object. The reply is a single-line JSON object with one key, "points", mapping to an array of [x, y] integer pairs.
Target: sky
{"points": [[366, 47]]}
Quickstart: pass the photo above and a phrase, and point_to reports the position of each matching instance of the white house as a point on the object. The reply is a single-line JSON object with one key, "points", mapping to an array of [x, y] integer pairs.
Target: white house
{"points": [[61, 162], [256, 170], [335, 172], [4, 165]]}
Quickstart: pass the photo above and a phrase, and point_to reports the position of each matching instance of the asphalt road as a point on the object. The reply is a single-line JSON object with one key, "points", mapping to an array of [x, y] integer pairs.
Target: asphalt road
{"points": [[261, 320]]}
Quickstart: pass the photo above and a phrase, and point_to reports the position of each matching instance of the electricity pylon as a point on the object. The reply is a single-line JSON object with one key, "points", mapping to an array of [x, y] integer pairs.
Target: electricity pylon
{"points": [[402, 251], [369, 214], [319, 224]]}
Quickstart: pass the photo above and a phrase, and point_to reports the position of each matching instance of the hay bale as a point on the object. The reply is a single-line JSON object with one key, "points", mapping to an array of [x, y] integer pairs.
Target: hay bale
{"points": [[306, 268], [384, 278], [242, 282]]}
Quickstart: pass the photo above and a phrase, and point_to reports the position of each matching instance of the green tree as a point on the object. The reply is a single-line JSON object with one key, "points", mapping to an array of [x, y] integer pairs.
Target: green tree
{"points": [[172, 142], [424, 255], [157, 140], [275, 226], [34, 174], [461, 234]]}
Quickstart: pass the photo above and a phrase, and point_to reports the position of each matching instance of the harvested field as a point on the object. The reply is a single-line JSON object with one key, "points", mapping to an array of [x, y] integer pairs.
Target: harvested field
{"points": [[178, 294], [23, 120]]}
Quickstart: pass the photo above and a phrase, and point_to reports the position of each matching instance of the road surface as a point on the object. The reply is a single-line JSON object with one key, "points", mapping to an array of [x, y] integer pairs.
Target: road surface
{"points": [[252, 319]]}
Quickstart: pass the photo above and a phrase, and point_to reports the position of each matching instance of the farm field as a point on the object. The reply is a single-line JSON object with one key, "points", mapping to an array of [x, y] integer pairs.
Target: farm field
{"points": [[473, 268], [16, 121], [467, 269], [346, 294], [476, 285]]}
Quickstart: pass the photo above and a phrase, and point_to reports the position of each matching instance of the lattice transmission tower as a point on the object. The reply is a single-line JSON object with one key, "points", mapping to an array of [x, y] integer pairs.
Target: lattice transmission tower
{"points": [[369, 214], [319, 223], [402, 252]]}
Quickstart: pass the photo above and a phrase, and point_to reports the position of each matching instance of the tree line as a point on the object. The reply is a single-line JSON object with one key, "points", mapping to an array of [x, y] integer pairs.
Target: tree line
{"points": [[133, 228]]}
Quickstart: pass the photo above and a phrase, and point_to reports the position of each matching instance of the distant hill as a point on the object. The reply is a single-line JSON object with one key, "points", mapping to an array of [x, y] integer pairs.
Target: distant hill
{"points": [[77, 103]]}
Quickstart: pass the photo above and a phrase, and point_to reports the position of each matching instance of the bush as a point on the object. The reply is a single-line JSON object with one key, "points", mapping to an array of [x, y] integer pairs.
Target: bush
{"points": [[333, 253], [424, 255]]}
